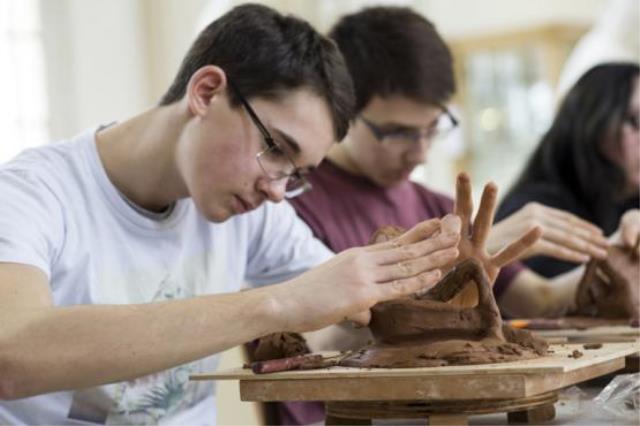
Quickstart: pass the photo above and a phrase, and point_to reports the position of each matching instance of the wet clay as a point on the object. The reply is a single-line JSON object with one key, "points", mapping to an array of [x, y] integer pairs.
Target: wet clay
{"points": [[280, 345], [610, 288], [426, 331]]}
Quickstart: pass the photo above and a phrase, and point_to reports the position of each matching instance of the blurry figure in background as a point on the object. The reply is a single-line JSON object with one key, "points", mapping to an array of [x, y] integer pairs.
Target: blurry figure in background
{"points": [[588, 162], [613, 38], [403, 78]]}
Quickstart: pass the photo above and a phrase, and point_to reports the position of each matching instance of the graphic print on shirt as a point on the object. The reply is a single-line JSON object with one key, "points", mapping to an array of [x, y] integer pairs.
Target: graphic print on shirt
{"points": [[149, 399]]}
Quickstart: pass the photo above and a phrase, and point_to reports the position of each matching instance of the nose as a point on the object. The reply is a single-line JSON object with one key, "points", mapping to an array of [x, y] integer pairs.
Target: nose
{"points": [[417, 152], [274, 190]]}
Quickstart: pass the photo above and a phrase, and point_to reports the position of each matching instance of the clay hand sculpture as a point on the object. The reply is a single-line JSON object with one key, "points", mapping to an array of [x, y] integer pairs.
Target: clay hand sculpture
{"points": [[474, 236], [457, 321], [610, 288], [426, 331]]}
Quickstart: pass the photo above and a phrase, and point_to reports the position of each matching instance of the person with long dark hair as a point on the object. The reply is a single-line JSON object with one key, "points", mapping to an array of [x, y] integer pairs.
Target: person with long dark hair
{"points": [[588, 162]]}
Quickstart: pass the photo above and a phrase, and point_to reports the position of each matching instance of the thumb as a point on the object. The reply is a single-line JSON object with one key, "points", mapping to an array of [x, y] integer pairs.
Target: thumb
{"points": [[361, 318]]}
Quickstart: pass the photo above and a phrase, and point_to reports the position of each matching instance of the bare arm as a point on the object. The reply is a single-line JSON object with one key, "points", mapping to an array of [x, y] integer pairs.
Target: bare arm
{"points": [[44, 348], [533, 296]]}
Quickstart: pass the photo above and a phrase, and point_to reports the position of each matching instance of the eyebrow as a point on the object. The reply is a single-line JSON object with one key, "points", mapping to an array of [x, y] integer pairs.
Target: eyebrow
{"points": [[290, 141]]}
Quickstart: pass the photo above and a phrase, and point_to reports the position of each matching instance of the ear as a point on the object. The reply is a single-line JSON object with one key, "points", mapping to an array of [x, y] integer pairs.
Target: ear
{"points": [[204, 86]]}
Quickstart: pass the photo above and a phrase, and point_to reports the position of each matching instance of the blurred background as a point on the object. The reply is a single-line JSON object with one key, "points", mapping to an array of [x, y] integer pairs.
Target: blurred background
{"points": [[66, 65]]}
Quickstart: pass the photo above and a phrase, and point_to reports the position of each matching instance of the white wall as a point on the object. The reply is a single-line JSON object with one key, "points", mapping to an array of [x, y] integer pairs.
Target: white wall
{"points": [[108, 59], [97, 62]]}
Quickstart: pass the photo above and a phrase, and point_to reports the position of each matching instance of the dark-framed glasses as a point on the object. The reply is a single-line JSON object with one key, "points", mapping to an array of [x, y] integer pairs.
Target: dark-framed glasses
{"points": [[274, 161], [444, 124]]}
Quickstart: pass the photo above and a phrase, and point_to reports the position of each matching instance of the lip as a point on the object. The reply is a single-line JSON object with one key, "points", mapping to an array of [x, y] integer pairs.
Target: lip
{"points": [[243, 206]]}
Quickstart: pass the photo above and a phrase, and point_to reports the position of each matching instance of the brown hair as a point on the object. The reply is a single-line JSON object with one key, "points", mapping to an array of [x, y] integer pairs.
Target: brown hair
{"points": [[266, 54], [395, 51]]}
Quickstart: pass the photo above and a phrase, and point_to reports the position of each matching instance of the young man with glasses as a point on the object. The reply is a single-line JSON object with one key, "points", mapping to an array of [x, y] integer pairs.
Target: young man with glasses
{"points": [[403, 78], [122, 250]]}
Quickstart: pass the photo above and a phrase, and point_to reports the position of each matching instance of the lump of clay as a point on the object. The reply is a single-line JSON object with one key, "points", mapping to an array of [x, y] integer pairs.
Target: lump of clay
{"points": [[610, 288], [426, 331], [280, 345]]}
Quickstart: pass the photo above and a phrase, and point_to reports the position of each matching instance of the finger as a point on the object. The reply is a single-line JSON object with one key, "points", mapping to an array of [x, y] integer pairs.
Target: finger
{"points": [[451, 224], [573, 220], [551, 249], [463, 205], [405, 253], [630, 235], [361, 318], [514, 250], [568, 239], [566, 221], [636, 246], [407, 286], [484, 218], [410, 268], [419, 232]]}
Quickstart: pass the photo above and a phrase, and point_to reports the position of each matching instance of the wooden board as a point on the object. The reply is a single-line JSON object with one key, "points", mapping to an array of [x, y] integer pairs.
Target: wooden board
{"points": [[488, 381], [610, 333]]}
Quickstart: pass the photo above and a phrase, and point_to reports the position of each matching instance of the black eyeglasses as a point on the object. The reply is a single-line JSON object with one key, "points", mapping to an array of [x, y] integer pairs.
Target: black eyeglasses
{"points": [[445, 124], [273, 160]]}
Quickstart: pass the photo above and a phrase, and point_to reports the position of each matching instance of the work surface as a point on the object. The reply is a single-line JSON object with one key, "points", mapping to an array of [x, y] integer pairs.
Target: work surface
{"points": [[489, 381]]}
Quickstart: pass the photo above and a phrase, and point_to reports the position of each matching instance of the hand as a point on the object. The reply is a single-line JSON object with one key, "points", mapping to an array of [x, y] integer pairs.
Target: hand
{"points": [[353, 281], [473, 237], [564, 235], [629, 229]]}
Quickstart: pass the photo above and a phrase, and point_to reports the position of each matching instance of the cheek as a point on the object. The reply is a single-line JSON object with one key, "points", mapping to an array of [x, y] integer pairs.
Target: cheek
{"points": [[631, 156]]}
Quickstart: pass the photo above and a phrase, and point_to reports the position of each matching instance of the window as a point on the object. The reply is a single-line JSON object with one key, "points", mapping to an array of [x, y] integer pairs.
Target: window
{"points": [[23, 100]]}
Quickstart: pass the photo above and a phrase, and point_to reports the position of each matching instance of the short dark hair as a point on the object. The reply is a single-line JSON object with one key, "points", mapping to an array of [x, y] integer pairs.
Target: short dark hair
{"points": [[395, 51], [570, 155], [266, 54]]}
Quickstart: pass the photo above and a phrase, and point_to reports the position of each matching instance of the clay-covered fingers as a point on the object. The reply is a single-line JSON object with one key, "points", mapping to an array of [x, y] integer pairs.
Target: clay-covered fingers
{"points": [[514, 250], [486, 212], [408, 286], [442, 255], [402, 255], [420, 232], [463, 205]]}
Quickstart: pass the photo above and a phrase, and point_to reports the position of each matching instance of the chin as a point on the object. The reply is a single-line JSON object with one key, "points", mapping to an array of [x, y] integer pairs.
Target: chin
{"points": [[215, 213]]}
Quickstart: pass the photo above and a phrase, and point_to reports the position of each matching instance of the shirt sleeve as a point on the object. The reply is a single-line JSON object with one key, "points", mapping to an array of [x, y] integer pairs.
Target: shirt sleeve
{"points": [[283, 248], [31, 230]]}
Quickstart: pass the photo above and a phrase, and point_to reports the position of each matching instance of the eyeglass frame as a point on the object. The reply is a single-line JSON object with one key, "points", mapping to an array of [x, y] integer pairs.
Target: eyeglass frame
{"points": [[381, 135], [272, 145]]}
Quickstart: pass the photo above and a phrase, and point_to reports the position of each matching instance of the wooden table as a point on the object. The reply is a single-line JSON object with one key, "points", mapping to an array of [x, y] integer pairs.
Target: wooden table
{"points": [[443, 395]]}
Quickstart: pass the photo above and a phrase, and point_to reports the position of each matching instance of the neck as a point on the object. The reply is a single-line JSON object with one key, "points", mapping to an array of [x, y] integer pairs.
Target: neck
{"points": [[139, 156], [340, 156]]}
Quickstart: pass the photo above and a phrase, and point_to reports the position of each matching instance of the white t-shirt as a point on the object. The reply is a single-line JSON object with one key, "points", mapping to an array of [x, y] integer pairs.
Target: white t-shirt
{"points": [[60, 213]]}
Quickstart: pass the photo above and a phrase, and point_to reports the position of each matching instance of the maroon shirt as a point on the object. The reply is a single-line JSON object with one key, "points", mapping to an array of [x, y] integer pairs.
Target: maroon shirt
{"points": [[344, 210]]}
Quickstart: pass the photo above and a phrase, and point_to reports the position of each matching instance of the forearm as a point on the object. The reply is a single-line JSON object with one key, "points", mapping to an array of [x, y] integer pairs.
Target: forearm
{"points": [[49, 349], [530, 295]]}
